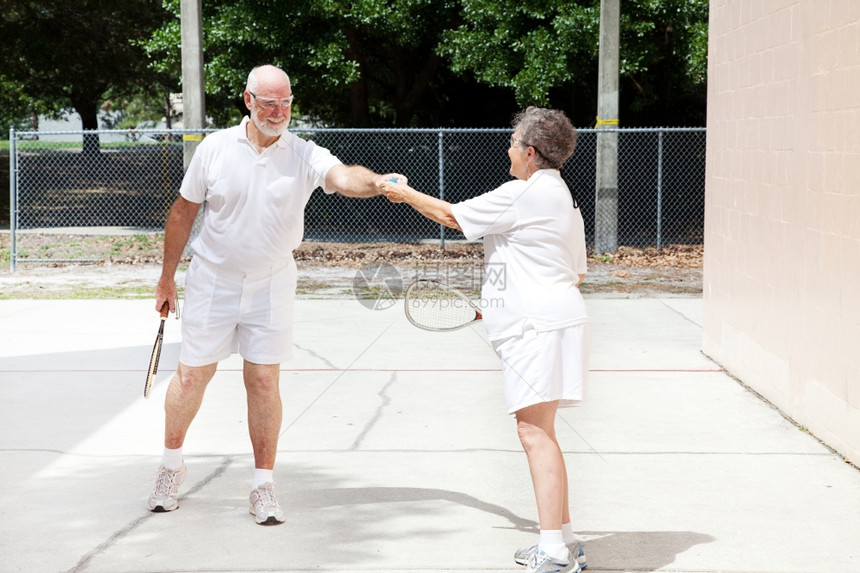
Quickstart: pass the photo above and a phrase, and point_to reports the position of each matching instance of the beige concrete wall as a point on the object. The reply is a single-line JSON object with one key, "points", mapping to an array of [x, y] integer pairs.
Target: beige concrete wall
{"points": [[782, 207]]}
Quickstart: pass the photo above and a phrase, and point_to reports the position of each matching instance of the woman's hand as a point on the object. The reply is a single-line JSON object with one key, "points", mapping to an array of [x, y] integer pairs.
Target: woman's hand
{"points": [[395, 191]]}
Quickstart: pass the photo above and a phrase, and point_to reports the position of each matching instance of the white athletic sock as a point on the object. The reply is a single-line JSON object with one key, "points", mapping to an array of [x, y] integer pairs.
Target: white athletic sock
{"points": [[567, 533], [263, 476], [172, 459], [552, 543]]}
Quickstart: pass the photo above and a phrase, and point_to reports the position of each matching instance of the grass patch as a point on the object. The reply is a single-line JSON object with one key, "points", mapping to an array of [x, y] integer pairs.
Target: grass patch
{"points": [[84, 292], [137, 248]]}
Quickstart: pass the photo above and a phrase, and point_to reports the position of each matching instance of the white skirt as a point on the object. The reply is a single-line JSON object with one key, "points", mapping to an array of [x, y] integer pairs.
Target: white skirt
{"points": [[545, 366]]}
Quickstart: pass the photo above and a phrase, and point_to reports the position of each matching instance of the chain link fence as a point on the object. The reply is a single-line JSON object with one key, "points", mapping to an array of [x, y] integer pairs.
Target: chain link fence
{"points": [[129, 179]]}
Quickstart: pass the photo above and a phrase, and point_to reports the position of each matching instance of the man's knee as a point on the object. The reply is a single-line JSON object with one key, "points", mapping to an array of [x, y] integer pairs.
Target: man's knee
{"points": [[262, 378], [193, 379]]}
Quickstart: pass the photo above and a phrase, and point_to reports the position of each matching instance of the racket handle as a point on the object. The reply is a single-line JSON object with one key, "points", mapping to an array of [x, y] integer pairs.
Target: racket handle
{"points": [[165, 309]]}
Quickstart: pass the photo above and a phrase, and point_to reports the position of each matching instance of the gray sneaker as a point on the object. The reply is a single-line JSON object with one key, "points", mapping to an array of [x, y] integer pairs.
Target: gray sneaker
{"points": [[164, 495], [521, 556], [264, 505], [540, 562]]}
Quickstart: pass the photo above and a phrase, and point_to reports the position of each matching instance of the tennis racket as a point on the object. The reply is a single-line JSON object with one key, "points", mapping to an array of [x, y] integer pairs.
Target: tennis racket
{"points": [[432, 305], [156, 351]]}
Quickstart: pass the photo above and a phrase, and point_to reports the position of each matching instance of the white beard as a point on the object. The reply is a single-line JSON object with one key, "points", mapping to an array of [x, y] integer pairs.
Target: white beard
{"points": [[269, 129]]}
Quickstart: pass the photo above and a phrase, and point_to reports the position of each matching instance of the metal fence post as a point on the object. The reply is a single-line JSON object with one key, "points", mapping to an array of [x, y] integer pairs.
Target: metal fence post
{"points": [[659, 188], [13, 209], [441, 183]]}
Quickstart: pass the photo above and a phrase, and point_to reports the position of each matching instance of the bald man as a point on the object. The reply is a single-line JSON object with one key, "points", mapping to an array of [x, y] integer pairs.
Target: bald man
{"points": [[255, 180]]}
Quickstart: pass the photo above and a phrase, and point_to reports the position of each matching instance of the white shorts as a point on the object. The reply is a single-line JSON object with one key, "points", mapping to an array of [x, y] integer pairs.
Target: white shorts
{"points": [[226, 312], [545, 366]]}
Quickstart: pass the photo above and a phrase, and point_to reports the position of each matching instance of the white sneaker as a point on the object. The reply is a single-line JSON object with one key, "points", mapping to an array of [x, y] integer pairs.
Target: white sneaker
{"points": [[264, 505], [165, 493], [541, 562], [521, 556]]}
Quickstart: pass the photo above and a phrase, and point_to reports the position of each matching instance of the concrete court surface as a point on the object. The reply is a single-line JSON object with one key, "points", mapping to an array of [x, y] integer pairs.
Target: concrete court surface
{"points": [[397, 455]]}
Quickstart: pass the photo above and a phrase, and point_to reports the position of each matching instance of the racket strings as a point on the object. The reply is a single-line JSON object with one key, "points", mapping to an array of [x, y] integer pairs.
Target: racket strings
{"points": [[434, 307]]}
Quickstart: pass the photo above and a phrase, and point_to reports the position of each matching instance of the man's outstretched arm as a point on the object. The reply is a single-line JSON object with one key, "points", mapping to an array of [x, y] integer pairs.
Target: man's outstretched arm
{"points": [[357, 181]]}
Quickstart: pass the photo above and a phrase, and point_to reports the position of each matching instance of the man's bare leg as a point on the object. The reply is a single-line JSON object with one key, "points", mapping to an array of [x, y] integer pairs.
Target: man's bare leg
{"points": [[264, 411], [184, 396], [264, 425]]}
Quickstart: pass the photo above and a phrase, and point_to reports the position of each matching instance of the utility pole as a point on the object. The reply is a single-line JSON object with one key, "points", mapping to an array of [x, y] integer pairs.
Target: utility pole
{"points": [[193, 102], [606, 187]]}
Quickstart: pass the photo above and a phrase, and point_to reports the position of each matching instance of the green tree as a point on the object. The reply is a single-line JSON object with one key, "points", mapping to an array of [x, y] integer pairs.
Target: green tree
{"points": [[19, 110], [546, 52], [448, 62], [365, 63], [72, 52]]}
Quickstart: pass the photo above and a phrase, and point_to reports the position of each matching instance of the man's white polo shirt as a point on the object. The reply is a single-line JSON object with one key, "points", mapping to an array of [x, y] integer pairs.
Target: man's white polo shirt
{"points": [[255, 202]]}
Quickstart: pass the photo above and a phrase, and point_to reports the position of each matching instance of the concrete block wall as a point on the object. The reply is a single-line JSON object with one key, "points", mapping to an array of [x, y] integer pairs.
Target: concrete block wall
{"points": [[782, 207]]}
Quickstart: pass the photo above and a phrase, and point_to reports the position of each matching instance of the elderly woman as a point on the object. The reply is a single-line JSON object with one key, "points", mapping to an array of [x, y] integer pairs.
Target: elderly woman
{"points": [[533, 229]]}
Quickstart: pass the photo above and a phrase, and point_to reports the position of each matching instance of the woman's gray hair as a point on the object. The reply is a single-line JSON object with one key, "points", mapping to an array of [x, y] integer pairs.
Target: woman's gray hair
{"points": [[549, 132]]}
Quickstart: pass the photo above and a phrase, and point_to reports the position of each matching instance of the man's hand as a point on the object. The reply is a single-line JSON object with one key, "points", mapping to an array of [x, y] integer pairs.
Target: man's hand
{"points": [[165, 291]]}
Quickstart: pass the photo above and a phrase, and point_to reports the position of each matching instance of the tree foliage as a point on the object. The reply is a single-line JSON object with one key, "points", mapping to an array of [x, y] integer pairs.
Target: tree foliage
{"points": [[451, 62], [529, 47], [547, 53], [371, 62], [364, 63], [70, 53], [18, 109]]}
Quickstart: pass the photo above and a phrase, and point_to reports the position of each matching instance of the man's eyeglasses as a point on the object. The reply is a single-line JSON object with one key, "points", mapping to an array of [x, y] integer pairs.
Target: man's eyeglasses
{"points": [[270, 104]]}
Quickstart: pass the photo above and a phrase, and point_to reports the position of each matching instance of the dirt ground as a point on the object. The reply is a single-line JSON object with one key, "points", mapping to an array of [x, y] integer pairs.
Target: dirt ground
{"points": [[129, 267]]}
